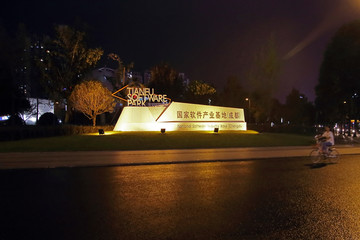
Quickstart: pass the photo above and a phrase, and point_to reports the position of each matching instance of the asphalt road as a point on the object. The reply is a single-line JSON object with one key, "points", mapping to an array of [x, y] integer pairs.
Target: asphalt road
{"points": [[23, 160], [283, 198]]}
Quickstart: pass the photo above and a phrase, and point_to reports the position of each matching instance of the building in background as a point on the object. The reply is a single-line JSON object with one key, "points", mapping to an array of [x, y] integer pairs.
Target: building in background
{"points": [[106, 76], [185, 79], [38, 108], [147, 77]]}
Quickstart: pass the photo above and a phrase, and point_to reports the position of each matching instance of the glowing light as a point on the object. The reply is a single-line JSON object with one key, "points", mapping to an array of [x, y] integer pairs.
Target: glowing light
{"points": [[343, 12], [4, 118], [106, 133]]}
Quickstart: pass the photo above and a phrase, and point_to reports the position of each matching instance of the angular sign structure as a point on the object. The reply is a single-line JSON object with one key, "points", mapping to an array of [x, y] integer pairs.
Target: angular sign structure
{"points": [[178, 116]]}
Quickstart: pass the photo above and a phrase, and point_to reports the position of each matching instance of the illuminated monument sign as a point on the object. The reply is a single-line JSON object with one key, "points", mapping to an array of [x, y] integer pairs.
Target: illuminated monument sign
{"points": [[174, 116]]}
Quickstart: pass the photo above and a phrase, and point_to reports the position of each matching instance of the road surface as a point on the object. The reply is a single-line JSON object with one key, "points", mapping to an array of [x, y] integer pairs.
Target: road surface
{"points": [[124, 158], [277, 198]]}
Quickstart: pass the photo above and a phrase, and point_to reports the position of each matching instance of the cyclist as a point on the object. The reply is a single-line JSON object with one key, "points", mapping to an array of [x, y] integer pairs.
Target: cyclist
{"points": [[327, 140]]}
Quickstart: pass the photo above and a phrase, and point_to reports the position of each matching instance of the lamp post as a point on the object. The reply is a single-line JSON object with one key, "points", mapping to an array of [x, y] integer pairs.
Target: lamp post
{"points": [[249, 114], [345, 122], [355, 112]]}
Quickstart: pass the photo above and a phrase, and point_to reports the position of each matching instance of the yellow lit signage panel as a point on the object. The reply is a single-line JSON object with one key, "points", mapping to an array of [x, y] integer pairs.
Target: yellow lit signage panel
{"points": [[187, 112], [180, 117]]}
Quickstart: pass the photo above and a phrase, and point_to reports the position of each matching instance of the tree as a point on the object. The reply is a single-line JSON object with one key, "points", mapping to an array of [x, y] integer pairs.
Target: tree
{"points": [[165, 79], [277, 112], [263, 78], [298, 110], [199, 92], [12, 95], [339, 76], [120, 75], [12, 98], [234, 94], [92, 99], [66, 62]]}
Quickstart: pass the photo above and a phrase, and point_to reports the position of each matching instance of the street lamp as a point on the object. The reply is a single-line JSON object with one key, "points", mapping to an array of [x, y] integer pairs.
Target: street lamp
{"points": [[355, 111], [345, 122], [248, 100]]}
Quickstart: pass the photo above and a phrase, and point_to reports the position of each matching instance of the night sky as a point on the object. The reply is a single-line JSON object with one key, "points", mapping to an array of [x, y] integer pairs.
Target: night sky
{"points": [[206, 39]]}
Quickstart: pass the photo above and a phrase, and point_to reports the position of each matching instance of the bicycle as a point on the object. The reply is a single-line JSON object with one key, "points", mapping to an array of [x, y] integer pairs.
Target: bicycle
{"points": [[332, 155], [317, 156]]}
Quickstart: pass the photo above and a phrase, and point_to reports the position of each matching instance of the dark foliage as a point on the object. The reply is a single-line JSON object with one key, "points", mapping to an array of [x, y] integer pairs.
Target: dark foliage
{"points": [[339, 76], [48, 119]]}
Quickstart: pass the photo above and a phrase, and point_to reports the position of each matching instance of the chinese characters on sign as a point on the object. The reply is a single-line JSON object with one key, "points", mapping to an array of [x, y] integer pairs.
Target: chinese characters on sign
{"points": [[139, 96], [205, 115]]}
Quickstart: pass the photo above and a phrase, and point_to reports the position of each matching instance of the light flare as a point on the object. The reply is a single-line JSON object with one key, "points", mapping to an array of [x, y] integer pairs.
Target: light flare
{"points": [[345, 10]]}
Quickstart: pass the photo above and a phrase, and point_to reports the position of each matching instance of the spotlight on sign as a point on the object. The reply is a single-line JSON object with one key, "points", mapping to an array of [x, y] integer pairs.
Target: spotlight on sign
{"points": [[163, 130], [216, 130], [101, 131]]}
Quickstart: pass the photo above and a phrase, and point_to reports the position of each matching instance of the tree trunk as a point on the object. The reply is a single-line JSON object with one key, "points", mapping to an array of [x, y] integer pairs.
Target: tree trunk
{"points": [[37, 110], [349, 133], [68, 111], [355, 127], [94, 121], [67, 115]]}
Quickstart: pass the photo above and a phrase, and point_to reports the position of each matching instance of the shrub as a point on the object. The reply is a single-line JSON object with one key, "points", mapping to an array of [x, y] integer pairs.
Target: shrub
{"points": [[48, 119]]}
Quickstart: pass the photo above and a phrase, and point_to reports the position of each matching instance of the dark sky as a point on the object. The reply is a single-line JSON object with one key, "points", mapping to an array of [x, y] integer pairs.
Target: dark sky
{"points": [[206, 39]]}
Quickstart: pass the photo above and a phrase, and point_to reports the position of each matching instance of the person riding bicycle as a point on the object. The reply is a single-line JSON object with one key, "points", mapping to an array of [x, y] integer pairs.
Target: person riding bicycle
{"points": [[326, 140]]}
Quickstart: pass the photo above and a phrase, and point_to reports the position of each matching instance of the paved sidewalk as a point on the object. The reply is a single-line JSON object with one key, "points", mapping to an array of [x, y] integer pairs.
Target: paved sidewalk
{"points": [[123, 158]]}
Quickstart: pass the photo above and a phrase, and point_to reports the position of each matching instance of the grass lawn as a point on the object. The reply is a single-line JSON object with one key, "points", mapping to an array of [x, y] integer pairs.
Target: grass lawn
{"points": [[112, 141]]}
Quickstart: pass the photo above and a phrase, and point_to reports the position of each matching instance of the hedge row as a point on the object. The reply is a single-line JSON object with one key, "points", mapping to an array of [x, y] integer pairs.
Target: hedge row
{"points": [[8, 133], [296, 129]]}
